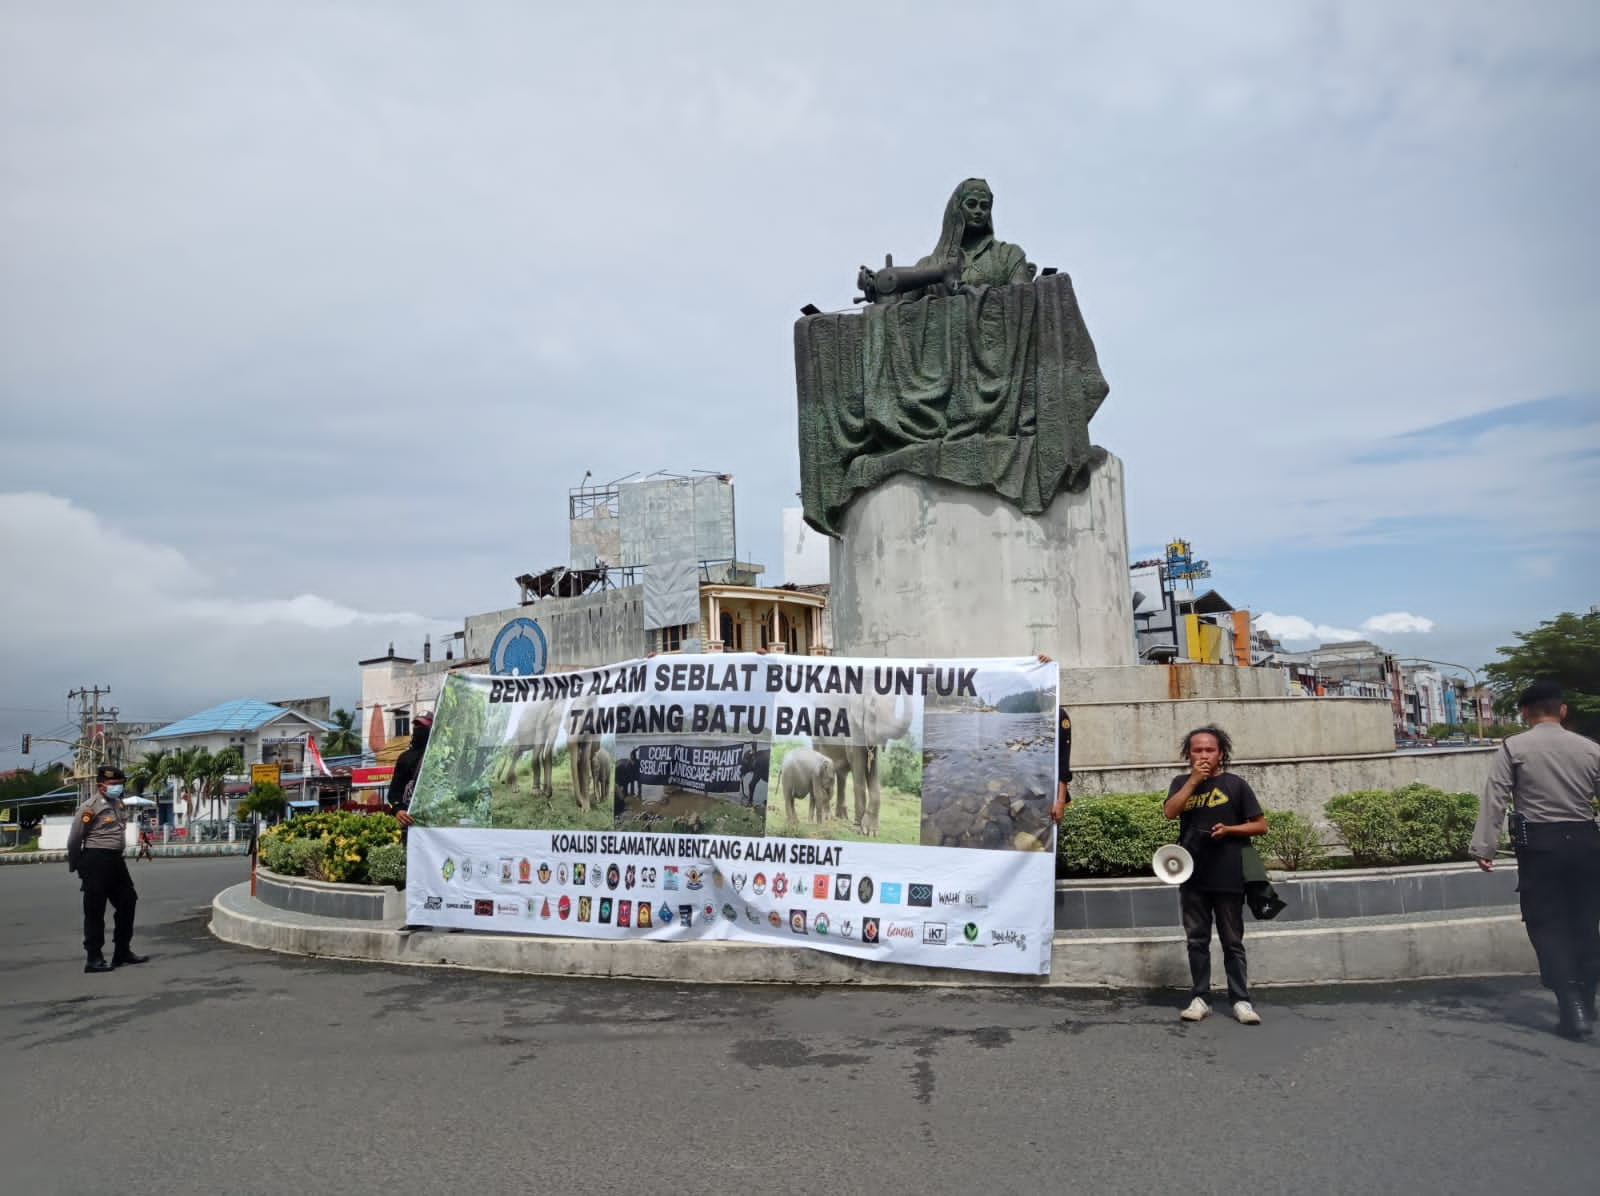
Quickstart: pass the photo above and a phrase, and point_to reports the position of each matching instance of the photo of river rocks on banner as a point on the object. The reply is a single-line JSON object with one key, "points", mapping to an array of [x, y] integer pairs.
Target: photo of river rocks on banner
{"points": [[864, 785], [691, 785], [989, 766]]}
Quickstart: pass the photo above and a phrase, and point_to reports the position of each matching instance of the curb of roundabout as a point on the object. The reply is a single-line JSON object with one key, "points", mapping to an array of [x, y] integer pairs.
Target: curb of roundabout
{"points": [[1488, 941]]}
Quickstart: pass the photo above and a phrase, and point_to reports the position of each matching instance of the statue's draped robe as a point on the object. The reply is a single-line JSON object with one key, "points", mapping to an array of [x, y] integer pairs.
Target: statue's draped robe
{"points": [[993, 389]]}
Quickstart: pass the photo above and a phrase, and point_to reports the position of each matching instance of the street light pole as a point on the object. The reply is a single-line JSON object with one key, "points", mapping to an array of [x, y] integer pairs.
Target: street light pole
{"points": [[1477, 703]]}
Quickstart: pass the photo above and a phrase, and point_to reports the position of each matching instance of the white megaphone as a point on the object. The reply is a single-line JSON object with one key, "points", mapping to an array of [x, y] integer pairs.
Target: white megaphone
{"points": [[1173, 864]]}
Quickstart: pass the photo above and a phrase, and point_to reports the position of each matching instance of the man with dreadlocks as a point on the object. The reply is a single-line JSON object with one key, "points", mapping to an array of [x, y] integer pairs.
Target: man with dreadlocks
{"points": [[1217, 812]]}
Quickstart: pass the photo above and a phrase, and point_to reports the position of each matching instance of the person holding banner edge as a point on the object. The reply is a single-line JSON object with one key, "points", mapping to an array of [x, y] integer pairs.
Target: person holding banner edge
{"points": [[1217, 811]]}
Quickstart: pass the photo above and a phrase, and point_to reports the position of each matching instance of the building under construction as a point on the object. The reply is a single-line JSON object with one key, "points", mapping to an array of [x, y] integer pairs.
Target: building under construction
{"points": [[654, 567]]}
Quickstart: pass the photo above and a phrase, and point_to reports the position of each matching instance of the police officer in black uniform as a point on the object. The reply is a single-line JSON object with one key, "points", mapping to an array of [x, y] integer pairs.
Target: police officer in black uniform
{"points": [[95, 847], [1550, 777]]}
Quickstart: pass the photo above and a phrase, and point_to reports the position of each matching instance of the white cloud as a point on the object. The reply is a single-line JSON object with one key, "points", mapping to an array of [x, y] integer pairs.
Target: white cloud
{"points": [[1397, 622], [1294, 629], [97, 605]]}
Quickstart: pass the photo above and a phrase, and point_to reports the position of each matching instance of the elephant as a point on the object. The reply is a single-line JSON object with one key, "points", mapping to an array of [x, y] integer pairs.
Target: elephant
{"points": [[535, 735], [875, 721], [806, 774], [583, 756], [601, 775], [627, 777], [755, 765]]}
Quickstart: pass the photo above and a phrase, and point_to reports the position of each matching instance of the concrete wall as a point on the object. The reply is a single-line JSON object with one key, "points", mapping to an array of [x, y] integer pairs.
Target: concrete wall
{"points": [[1168, 682], [592, 629], [1303, 786], [1131, 733], [925, 568]]}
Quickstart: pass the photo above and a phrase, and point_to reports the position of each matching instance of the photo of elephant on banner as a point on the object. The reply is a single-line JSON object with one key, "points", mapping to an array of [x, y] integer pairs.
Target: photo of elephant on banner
{"points": [[864, 784]]}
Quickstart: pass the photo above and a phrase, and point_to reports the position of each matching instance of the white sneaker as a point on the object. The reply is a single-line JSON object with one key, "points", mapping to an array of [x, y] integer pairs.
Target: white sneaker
{"points": [[1197, 1009], [1246, 1013]]}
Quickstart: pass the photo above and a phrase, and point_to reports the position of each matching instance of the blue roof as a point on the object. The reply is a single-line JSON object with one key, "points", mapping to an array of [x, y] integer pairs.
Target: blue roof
{"points": [[241, 714]]}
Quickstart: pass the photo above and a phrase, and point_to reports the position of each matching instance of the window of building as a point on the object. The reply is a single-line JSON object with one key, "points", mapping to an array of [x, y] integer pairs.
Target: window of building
{"points": [[729, 631], [402, 723], [670, 639]]}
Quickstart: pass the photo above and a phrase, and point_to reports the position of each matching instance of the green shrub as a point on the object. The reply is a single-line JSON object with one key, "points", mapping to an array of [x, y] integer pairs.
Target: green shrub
{"points": [[1435, 826], [1114, 835], [328, 846], [1417, 824], [1367, 823], [386, 864], [294, 857], [1292, 842]]}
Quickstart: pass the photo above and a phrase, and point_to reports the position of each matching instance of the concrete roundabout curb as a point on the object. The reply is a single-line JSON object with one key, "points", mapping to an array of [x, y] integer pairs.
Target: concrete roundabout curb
{"points": [[1452, 944]]}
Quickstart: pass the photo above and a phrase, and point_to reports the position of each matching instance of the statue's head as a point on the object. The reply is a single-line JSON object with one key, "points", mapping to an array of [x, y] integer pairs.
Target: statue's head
{"points": [[976, 203], [970, 211]]}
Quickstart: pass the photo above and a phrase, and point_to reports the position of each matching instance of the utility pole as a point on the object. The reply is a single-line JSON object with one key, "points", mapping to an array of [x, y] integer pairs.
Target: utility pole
{"points": [[91, 752]]}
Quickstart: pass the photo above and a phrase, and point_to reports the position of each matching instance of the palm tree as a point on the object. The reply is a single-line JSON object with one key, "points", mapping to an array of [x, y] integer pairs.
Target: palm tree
{"points": [[215, 778], [152, 771], [188, 766], [344, 739]]}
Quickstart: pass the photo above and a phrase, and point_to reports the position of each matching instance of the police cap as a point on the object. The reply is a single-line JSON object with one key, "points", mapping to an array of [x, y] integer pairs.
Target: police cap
{"points": [[108, 773]]}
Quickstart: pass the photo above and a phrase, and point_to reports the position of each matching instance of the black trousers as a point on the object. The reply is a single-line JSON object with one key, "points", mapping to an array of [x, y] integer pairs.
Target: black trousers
{"points": [[105, 878], [1200, 910], [1558, 885]]}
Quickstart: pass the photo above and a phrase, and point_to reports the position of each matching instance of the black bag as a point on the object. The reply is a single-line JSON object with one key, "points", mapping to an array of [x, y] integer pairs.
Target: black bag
{"points": [[1259, 895]]}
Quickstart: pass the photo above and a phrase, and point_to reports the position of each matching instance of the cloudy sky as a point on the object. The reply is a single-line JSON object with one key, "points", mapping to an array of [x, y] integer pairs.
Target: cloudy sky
{"points": [[310, 314]]}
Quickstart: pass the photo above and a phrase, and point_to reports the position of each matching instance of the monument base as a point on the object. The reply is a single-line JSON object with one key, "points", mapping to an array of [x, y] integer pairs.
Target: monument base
{"points": [[925, 568]]}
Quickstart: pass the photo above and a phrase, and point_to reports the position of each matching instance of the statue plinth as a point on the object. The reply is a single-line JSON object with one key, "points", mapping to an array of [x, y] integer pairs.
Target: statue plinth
{"points": [[926, 568]]}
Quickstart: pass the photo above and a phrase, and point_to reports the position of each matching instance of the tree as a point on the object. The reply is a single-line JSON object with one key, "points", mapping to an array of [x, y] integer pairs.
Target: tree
{"points": [[270, 801], [188, 766], [152, 771], [214, 775], [344, 739], [1566, 650]]}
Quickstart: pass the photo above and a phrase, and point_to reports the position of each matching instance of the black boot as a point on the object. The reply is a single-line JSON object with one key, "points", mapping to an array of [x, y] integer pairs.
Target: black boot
{"points": [[124, 955], [1574, 1021], [97, 964]]}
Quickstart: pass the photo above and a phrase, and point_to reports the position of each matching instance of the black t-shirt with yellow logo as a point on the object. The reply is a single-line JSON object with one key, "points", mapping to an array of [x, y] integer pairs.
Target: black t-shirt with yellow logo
{"points": [[1063, 745], [1227, 798]]}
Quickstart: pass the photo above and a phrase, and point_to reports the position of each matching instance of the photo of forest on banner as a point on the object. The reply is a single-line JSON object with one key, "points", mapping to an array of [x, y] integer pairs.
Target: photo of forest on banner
{"points": [[925, 753]]}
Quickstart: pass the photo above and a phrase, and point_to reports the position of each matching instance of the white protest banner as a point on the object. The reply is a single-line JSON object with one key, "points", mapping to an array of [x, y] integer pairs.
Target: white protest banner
{"points": [[896, 810]]}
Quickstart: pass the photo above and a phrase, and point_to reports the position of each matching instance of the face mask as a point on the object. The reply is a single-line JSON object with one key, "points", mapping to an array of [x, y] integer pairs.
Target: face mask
{"points": [[113, 790]]}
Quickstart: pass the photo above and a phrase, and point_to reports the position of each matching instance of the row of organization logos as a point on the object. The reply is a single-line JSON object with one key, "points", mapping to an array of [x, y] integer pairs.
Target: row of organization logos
{"points": [[627, 913], [837, 887]]}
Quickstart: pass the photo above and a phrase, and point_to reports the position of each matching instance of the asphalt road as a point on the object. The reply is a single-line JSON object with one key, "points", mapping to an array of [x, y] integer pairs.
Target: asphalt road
{"points": [[212, 1069]]}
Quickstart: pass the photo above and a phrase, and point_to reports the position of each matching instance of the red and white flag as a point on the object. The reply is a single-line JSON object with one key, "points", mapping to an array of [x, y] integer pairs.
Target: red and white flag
{"points": [[315, 757]]}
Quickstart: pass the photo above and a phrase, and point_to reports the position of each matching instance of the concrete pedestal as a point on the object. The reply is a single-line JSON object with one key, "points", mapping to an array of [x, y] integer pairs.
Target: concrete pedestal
{"points": [[925, 568]]}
